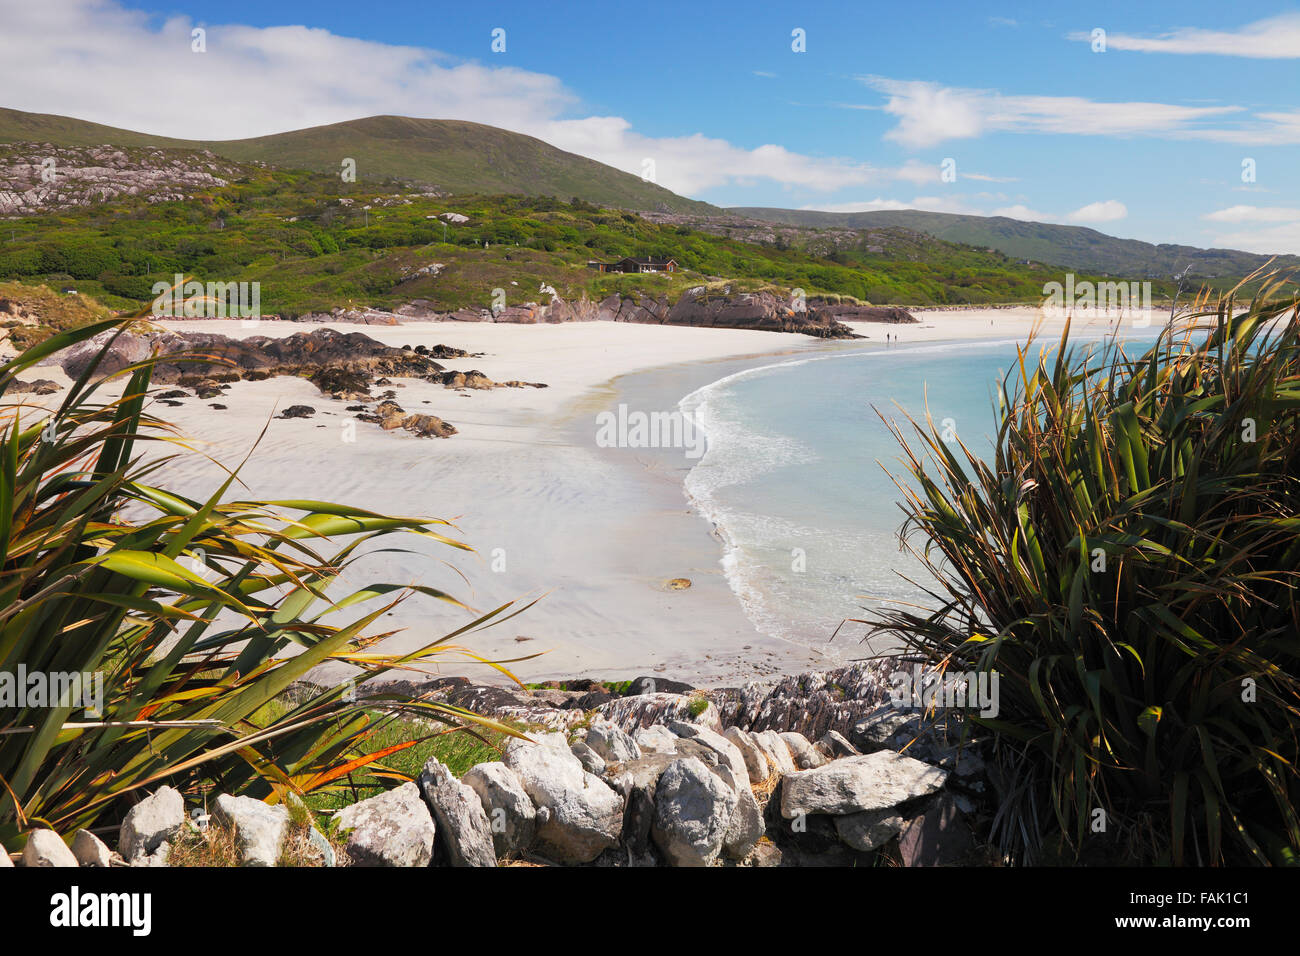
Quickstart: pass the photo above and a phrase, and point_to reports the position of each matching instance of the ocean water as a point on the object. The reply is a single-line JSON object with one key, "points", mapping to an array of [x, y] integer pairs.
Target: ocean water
{"points": [[797, 477]]}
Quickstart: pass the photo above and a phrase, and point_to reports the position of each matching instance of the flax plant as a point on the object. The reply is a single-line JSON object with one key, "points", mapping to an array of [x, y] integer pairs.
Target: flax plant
{"points": [[1127, 559]]}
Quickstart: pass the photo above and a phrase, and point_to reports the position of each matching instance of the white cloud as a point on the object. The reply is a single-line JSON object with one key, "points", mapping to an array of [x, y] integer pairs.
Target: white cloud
{"points": [[1022, 212], [1280, 232], [1254, 214], [923, 203], [1108, 210], [93, 59], [1282, 239], [1276, 38], [929, 113]]}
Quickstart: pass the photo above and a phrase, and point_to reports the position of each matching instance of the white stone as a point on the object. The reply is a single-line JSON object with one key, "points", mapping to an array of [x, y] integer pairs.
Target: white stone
{"points": [[876, 781], [90, 850], [150, 823], [693, 811], [392, 829], [46, 848], [461, 820], [260, 829], [509, 809], [585, 816]]}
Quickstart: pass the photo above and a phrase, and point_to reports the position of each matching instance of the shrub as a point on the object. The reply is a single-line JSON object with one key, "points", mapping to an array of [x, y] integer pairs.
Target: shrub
{"points": [[187, 608], [1128, 563]]}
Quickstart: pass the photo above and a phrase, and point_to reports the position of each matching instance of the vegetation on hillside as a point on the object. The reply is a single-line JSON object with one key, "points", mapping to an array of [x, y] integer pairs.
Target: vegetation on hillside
{"points": [[1072, 247], [1129, 562], [451, 155], [312, 244]]}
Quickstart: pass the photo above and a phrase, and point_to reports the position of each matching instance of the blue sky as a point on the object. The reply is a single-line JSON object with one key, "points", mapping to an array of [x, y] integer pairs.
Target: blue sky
{"points": [[1146, 139]]}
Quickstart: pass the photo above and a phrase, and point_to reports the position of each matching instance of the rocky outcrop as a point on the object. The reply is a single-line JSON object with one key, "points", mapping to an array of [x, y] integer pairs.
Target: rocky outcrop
{"points": [[699, 306], [849, 312], [41, 177], [678, 795]]}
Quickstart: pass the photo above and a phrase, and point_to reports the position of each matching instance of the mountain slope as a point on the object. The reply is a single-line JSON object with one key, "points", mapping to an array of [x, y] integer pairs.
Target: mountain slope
{"points": [[457, 156], [1073, 247]]}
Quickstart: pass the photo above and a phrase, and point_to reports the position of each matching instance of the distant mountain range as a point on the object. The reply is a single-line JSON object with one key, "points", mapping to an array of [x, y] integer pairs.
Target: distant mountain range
{"points": [[460, 157], [1074, 247], [454, 156]]}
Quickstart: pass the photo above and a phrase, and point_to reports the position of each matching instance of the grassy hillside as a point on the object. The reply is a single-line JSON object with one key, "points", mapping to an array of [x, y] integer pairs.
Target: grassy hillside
{"points": [[1068, 246], [313, 245], [455, 156]]}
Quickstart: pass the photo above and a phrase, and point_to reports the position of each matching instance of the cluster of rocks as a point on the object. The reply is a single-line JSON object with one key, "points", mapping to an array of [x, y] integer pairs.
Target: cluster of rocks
{"points": [[148, 831], [345, 366], [700, 306], [40, 177], [652, 777]]}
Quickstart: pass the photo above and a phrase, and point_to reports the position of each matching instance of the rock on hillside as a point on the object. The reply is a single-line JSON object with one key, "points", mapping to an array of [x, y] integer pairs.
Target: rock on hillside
{"points": [[40, 177]]}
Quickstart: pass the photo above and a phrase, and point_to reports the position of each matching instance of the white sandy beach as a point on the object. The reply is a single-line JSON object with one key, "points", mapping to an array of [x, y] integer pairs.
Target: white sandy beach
{"points": [[597, 533]]}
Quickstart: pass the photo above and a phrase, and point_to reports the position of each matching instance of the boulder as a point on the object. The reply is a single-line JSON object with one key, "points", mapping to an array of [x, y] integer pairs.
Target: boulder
{"points": [[293, 411], [776, 750], [868, 831], [592, 762], [656, 685], [805, 755], [756, 763], [938, 837], [90, 850], [693, 812], [656, 740], [46, 848], [260, 829], [876, 728], [613, 745], [511, 816], [5, 862], [463, 827], [728, 753], [876, 781], [150, 823], [636, 781], [392, 829], [746, 826], [834, 744], [585, 817]]}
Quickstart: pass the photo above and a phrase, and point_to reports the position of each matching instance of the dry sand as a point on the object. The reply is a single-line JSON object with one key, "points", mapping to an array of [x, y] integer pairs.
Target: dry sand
{"points": [[597, 534]]}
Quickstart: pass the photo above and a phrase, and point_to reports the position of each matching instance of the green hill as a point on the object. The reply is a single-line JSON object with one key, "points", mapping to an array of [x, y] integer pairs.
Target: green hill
{"points": [[1073, 247], [455, 156]]}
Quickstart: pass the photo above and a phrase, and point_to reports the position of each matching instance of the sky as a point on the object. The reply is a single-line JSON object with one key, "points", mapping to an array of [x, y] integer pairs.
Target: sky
{"points": [[1167, 122]]}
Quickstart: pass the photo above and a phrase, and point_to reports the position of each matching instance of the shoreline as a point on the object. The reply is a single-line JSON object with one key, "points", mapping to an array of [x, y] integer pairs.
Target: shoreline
{"points": [[598, 531]]}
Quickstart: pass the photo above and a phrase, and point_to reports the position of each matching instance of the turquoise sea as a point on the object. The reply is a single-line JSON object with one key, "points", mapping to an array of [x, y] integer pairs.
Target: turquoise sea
{"points": [[796, 478]]}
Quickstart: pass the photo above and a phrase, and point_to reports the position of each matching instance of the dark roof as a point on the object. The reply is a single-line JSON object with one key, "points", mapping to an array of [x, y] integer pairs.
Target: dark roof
{"points": [[647, 261]]}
